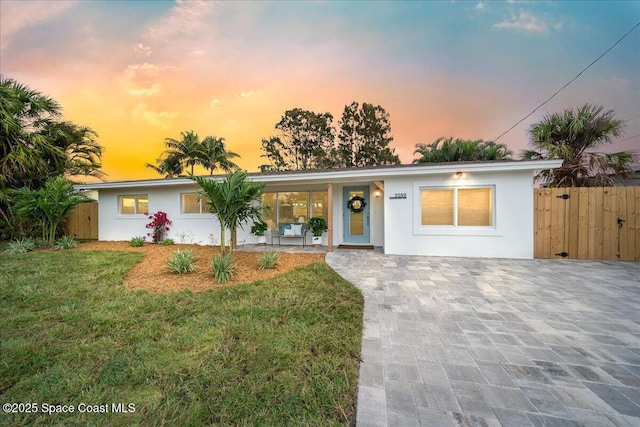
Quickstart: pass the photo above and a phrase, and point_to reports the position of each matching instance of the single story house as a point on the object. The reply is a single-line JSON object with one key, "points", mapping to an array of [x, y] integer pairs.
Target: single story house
{"points": [[466, 209]]}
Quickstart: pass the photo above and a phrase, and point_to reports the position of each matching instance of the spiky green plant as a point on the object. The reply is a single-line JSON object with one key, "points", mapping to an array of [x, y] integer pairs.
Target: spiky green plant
{"points": [[168, 242], [65, 242], [136, 241], [182, 261], [21, 246], [223, 268], [268, 260]]}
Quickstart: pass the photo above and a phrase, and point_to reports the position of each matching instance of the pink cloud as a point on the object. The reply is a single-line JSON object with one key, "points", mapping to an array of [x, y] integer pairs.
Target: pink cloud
{"points": [[17, 15]]}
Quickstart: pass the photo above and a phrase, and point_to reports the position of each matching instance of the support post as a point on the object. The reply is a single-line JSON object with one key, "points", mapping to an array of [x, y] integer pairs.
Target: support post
{"points": [[330, 217]]}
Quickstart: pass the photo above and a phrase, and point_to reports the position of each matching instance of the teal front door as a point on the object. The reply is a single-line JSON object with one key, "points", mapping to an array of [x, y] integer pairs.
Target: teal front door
{"points": [[356, 214]]}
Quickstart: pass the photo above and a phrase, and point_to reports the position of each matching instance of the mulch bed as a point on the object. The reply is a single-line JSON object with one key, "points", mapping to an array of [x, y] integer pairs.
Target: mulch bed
{"points": [[150, 274]]}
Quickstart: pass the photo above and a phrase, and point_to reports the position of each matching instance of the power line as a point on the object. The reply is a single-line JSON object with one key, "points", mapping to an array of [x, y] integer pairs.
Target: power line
{"points": [[626, 139], [571, 81], [631, 118]]}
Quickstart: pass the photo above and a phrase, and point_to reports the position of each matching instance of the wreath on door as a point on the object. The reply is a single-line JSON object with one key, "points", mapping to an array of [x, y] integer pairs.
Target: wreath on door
{"points": [[356, 204]]}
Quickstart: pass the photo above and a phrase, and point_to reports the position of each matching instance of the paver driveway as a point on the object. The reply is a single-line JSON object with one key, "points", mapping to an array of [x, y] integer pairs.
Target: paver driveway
{"points": [[486, 342]]}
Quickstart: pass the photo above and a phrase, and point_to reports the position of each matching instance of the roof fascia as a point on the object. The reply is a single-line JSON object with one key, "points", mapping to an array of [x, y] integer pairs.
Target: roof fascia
{"points": [[347, 174]]}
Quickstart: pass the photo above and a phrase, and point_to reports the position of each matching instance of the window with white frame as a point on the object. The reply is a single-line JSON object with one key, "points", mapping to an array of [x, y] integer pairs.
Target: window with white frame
{"points": [[457, 207], [137, 204]]}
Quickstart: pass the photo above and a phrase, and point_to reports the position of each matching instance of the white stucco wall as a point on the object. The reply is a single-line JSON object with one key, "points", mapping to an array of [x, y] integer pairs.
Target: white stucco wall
{"points": [[186, 228], [511, 236], [395, 222]]}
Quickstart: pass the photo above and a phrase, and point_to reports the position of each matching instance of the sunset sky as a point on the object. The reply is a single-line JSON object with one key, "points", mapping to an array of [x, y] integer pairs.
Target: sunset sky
{"points": [[139, 72]]}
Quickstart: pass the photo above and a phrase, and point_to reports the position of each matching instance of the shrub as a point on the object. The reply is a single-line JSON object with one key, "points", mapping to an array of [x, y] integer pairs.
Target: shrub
{"points": [[268, 260], [40, 243], [136, 241], [168, 242], [317, 225], [21, 246], [182, 262], [223, 268], [160, 224], [65, 242], [259, 228]]}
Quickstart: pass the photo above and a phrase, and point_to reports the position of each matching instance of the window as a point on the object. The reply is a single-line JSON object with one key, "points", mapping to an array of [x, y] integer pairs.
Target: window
{"points": [[134, 205], [320, 204], [437, 207], [270, 215], [458, 207], [474, 207], [294, 206], [189, 204]]}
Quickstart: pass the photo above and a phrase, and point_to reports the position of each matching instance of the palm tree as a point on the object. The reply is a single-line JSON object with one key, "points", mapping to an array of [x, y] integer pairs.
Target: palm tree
{"points": [[48, 205], [440, 150], [573, 135], [188, 150], [234, 201], [83, 153], [494, 151], [444, 150], [216, 155], [24, 151], [170, 166]]}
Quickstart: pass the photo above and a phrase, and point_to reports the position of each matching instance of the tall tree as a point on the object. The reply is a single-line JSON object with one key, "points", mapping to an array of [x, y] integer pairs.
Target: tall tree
{"points": [[188, 149], [168, 165], [35, 144], [573, 135], [216, 155], [83, 152], [189, 152], [272, 148], [234, 201], [24, 151], [305, 142], [444, 150], [364, 138]]}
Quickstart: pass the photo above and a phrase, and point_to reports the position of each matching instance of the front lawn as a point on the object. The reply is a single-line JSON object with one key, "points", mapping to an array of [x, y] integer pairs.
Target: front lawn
{"points": [[283, 351]]}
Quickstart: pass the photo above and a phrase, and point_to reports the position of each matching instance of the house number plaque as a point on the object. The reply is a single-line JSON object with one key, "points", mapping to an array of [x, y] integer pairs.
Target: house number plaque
{"points": [[397, 196]]}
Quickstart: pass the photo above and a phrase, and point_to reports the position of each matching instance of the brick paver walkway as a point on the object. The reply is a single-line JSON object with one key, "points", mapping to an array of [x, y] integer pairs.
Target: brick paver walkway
{"points": [[485, 342]]}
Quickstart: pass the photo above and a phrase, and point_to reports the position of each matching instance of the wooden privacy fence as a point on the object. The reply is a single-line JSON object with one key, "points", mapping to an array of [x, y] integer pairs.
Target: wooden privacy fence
{"points": [[587, 223], [82, 222]]}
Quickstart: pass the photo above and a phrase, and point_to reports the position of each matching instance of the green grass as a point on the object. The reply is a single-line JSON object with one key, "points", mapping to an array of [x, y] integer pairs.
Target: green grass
{"points": [[279, 352]]}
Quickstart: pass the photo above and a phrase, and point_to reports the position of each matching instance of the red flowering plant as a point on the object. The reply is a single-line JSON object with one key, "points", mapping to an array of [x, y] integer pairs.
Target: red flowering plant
{"points": [[160, 225]]}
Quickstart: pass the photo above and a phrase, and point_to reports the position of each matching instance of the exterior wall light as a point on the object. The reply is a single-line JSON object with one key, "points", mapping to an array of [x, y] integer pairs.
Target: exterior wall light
{"points": [[377, 193]]}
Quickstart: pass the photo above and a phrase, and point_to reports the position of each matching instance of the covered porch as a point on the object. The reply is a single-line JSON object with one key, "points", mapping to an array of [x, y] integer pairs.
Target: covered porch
{"points": [[353, 211]]}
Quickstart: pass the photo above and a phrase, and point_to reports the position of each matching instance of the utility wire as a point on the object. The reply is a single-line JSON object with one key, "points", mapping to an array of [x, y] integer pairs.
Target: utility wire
{"points": [[631, 118], [626, 139], [571, 81]]}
